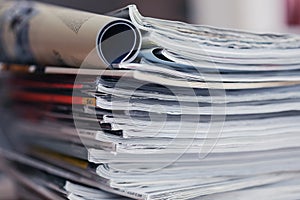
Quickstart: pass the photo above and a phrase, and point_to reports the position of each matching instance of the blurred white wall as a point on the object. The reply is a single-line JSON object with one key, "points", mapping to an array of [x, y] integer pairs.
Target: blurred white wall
{"points": [[254, 15]]}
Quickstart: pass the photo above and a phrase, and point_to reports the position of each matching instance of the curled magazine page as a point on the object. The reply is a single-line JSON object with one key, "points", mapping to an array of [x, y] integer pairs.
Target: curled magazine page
{"points": [[50, 35]]}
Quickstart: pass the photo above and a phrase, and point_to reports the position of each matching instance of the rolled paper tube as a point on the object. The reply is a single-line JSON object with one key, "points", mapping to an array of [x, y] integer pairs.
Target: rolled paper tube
{"points": [[35, 33]]}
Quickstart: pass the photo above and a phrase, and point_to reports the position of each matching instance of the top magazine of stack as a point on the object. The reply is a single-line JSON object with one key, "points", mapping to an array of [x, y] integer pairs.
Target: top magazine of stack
{"points": [[173, 45], [154, 109]]}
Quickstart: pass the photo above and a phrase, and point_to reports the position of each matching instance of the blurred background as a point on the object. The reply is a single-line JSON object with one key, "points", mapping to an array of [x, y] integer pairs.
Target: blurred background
{"points": [[254, 15]]}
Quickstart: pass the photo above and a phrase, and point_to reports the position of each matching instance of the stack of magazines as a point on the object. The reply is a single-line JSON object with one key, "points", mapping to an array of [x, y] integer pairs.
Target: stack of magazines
{"points": [[125, 106]]}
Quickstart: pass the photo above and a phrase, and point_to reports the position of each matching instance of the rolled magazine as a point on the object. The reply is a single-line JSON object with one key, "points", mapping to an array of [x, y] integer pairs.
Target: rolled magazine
{"points": [[50, 35]]}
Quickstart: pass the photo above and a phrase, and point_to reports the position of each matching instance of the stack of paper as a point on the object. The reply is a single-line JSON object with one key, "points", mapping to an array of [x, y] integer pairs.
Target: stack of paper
{"points": [[148, 108]]}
